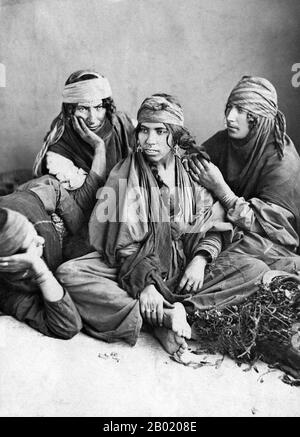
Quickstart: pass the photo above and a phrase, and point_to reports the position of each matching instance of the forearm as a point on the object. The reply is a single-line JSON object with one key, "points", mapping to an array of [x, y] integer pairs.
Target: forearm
{"points": [[50, 288], [210, 246], [99, 161], [58, 319], [85, 196], [240, 212]]}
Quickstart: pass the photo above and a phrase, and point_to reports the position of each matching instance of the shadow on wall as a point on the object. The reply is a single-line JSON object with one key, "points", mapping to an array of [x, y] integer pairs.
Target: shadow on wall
{"points": [[9, 181]]}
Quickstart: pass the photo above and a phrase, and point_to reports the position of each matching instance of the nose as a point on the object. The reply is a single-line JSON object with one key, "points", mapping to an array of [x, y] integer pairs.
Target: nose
{"points": [[151, 139], [92, 115], [231, 114]]}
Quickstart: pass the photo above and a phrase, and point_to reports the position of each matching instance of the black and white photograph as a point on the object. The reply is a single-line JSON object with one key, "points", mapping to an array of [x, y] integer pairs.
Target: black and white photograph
{"points": [[149, 211]]}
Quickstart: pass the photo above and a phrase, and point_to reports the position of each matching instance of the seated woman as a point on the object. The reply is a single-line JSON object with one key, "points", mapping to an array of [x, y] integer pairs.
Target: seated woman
{"points": [[155, 232], [30, 250], [255, 173], [87, 119]]}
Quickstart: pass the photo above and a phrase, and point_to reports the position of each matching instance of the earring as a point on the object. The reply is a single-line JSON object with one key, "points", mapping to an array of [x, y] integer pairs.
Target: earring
{"points": [[175, 150], [138, 146]]}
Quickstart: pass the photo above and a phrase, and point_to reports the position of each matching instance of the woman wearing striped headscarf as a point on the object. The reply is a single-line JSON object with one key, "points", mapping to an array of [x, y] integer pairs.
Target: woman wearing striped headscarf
{"points": [[255, 173]]}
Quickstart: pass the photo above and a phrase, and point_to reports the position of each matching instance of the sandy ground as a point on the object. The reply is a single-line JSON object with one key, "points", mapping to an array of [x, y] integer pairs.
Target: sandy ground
{"points": [[42, 377]]}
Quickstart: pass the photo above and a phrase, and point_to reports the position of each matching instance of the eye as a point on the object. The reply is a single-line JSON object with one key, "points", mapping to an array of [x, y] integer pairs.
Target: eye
{"points": [[161, 131], [99, 108], [240, 110], [143, 130], [22, 250], [81, 109]]}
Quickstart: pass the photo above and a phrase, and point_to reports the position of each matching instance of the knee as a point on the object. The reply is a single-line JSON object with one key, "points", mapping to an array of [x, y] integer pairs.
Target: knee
{"points": [[66, 270], [254, 268]]}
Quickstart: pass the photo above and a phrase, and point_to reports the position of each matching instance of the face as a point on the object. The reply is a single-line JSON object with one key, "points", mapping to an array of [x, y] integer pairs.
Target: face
{"points": [[153, 139], [32, 246], [237, 122], [92, 115]]}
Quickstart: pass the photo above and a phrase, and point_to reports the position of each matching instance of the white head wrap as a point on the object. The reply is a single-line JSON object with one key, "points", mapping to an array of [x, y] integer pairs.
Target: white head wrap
{"points": [[90, 92]]}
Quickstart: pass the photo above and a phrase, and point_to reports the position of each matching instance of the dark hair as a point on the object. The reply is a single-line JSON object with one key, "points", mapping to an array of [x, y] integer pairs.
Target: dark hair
{"points": [[181, 136], [79, 76]]}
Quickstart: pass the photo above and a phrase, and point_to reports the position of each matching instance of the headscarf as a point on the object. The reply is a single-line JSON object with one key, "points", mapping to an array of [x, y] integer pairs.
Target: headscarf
{"points": [[87, 91], [13, 231], [157, 109], [258, 96]]}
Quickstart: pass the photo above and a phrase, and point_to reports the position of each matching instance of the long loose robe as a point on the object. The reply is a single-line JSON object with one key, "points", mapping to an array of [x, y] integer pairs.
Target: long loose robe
{"points": [[267, 211]]}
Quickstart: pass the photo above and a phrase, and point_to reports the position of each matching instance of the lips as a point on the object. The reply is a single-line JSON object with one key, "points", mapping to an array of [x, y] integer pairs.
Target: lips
{"points": [[232, 127], [150, 151], [93, 127]]}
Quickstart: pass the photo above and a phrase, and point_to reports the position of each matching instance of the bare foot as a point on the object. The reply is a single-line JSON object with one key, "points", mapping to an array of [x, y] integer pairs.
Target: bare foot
{"points": [[186, 357], [172, 342], [175, 319]]}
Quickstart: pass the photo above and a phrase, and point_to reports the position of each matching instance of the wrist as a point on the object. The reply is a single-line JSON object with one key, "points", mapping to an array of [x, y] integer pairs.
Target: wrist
{"points": [[228, 198], [202, 257], [148, 287], [39, 266], [99, 146]]}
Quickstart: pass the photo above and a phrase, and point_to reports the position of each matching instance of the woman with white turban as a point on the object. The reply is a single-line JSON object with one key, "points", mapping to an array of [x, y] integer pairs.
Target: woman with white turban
{"points": [[84, 143]]}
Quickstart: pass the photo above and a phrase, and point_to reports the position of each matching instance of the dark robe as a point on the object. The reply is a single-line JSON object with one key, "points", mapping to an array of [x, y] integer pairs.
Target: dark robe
{"points": [[252, 172], [118, 137], [20, 296]]}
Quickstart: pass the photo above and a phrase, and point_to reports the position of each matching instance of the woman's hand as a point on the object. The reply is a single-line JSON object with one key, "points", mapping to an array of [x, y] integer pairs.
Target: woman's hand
{"points": [[20, 261], [208, 175], [152, 304], [193, 277], [85, 133]]}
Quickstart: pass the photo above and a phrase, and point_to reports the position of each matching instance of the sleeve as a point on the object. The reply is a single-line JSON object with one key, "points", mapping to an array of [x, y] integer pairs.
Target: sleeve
{"points": [[264, 218], [85, 196], [210, 246], [65, 171], [81, 186], [55, 319], [241, 213]]}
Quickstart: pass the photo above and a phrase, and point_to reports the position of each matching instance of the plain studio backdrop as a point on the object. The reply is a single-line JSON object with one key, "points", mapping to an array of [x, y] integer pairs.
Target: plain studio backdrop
{"points": [[194, 49]]}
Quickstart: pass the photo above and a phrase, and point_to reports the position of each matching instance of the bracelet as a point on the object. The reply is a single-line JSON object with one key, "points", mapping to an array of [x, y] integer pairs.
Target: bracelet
{"points": [[228, 200]]}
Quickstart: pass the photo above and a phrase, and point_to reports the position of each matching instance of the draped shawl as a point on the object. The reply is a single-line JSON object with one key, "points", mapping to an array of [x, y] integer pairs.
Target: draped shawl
{"points": [[254, 169], [131, 226], [118, 137]]}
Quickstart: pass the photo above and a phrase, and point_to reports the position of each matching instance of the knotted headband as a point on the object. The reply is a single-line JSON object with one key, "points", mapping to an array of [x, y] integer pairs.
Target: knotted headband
{"points": [[157, 109], [90, 92]]}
